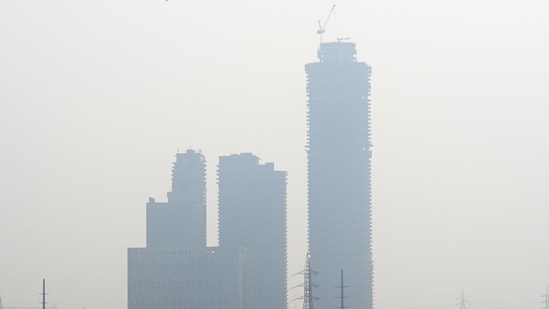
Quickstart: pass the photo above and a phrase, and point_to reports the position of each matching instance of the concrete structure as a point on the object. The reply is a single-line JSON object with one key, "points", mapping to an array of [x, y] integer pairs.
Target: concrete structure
{"points": [[181, 222], [338, 89], [252, 214], [193, 278]]}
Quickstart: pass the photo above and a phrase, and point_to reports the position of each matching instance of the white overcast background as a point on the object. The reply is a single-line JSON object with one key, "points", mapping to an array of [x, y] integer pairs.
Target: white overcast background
{"points": [[97, 96]]}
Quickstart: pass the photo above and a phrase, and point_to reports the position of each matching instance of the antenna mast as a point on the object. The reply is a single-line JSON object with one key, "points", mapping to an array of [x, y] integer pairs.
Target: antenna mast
{"points": [[322, 27]]}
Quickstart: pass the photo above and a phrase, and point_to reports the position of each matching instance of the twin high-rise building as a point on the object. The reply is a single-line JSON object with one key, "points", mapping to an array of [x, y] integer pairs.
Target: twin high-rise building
{"points": [[248, 270], [338, 89]]}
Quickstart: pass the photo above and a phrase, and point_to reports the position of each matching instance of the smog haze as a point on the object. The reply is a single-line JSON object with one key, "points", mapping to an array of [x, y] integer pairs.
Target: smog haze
{"points": [[97, 97]]}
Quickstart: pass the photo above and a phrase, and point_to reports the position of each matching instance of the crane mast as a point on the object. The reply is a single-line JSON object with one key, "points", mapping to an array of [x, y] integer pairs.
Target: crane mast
{"points": [[322, 27]]}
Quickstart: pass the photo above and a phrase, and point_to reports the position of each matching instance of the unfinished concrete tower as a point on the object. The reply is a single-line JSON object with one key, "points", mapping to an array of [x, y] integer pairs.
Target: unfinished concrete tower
{"points": [[338, 89]]}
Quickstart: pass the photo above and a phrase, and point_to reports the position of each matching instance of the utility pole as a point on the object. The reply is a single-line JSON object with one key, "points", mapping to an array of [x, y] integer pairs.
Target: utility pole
{"points": [[342, 294], [546, 298], [43, 293]]}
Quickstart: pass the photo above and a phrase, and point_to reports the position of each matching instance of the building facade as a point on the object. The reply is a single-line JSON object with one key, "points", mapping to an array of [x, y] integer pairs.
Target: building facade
{"points": [[339, 154], [252, 214], [192, 278]]}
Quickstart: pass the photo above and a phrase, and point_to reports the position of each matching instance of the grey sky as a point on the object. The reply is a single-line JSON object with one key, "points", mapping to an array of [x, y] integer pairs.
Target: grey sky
{"points": [[97, 96]]}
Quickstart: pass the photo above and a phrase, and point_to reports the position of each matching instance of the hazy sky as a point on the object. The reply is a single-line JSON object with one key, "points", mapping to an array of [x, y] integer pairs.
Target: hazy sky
{"points": [[97, 96]]}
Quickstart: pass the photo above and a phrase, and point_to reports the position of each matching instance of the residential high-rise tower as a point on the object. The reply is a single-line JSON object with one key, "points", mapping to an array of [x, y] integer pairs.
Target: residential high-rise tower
{"points": [[252, 214], [180, 222], [339, 210]]}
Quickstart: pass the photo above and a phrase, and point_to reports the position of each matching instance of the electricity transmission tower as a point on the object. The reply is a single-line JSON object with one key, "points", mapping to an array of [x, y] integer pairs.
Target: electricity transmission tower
{"points": [[308, 284], [462, 301]]}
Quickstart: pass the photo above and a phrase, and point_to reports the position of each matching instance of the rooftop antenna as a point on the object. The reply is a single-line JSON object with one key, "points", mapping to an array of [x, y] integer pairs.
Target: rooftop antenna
{"points": [[341, 294], [322, 27]]}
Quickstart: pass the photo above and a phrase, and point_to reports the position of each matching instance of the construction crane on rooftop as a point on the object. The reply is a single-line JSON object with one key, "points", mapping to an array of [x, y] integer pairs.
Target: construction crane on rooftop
{"points": [[322, 27]]}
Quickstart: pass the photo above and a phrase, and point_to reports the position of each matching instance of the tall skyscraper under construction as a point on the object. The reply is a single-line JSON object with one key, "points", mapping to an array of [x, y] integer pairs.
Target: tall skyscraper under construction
{"points": [[339, 210], [252, 214]]}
